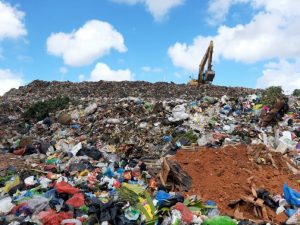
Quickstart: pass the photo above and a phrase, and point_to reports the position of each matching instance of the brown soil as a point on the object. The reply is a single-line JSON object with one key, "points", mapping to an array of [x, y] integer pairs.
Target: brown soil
{"points": [[227, 174], [7, 160]]}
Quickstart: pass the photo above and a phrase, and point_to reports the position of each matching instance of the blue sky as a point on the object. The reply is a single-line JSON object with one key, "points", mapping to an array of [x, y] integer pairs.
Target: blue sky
{"points": [[257, 42]]}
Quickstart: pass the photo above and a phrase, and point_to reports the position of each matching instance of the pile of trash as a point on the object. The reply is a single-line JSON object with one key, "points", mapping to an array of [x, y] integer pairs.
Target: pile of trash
{"points": [[93, 155], [64, 189]]}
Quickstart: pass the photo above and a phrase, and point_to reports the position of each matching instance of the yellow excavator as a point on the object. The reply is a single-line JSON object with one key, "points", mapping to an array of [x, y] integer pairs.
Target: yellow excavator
{"points": [[208, 76]]}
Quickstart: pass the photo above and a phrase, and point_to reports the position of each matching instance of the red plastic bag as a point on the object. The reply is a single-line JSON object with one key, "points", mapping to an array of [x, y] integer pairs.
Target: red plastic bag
{"points": [[50, 217], [186, 213], [117, 184], [64, 187], [76, 201]]}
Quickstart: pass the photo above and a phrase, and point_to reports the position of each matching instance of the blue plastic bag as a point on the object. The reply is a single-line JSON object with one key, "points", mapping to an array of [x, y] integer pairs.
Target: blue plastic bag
{"points": [[109, 173], [167, 138], [290, 212], [161, 196], [291, 196]]}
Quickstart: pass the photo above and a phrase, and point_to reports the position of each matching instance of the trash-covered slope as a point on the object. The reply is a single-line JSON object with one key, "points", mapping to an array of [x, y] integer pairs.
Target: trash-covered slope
{"points": [[101, 153], [18, 99]]}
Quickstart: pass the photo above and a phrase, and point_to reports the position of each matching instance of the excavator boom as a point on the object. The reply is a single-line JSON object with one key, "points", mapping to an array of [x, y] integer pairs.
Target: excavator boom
{"points": [[209, 74]]}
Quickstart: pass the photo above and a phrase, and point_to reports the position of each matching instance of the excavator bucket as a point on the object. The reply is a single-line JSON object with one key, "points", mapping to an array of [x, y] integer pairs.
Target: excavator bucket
{"points": [[210, 75]]}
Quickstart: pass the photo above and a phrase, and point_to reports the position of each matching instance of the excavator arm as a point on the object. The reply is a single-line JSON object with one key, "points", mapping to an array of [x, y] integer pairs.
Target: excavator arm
{"points": [[208, 56]]}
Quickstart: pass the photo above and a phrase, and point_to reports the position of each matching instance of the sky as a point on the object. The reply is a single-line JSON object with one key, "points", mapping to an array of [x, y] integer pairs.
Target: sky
{"points": [[256, 42]]}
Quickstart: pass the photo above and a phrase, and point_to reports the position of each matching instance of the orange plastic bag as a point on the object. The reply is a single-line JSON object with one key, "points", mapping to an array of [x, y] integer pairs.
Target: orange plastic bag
{"points": [[64, 187]]}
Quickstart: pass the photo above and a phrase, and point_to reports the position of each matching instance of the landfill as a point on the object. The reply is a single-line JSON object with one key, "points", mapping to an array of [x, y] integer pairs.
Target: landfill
{"points": [[143, 153]]}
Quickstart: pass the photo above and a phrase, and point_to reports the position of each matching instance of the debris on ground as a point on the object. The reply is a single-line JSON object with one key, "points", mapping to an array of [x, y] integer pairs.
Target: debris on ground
{"points": [[141, 153]]}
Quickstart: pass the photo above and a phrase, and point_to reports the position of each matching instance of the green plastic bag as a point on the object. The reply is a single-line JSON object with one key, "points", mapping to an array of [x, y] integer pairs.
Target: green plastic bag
{"points": [[219, 220]]}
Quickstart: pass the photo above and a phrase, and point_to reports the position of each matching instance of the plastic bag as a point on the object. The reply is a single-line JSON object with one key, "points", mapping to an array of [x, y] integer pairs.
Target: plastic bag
{"points": [[71, 221], [291, 196], [186, 213], [15, 181], [30, 181], [50, 217], [64, 187], [290, 212], [224, 220], [6, 205], [132, 214], [92, 153], [76, 201], [161, 196], [38, 203], [295, 219], [179, 113], [44, 181], [264, 195]]}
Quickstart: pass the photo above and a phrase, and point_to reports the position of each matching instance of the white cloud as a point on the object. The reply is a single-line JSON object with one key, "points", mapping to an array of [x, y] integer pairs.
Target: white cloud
{"points": [[85, 45], [148, 69], [158, 9], [272, 34], [283, 73], [188, 56], [9, 80], [218, 9], [81, 77], [284, 7], [63, 70], [11, 22], [103, 72]]}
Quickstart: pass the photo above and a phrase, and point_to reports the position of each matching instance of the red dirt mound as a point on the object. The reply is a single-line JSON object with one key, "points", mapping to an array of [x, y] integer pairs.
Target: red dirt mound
{"points": [[228, 173]]}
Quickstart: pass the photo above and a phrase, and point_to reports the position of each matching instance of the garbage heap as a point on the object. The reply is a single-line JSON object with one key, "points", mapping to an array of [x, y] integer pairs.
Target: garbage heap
{"points": [[87, 153]]}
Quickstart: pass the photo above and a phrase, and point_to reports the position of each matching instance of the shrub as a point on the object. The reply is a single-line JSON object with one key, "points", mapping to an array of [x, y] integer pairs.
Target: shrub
{"points": [[40, 110], [296, 93], [271, 95]]}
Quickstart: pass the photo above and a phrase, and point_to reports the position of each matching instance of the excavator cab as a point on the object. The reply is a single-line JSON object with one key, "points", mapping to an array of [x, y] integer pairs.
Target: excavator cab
{"points": [[208, 76]]}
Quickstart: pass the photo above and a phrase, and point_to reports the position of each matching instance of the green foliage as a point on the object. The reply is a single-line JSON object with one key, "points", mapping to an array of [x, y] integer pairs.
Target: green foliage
{"points": [[127, 195], [296, 93], [40, 110], [271, 95], [189, 136]]}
